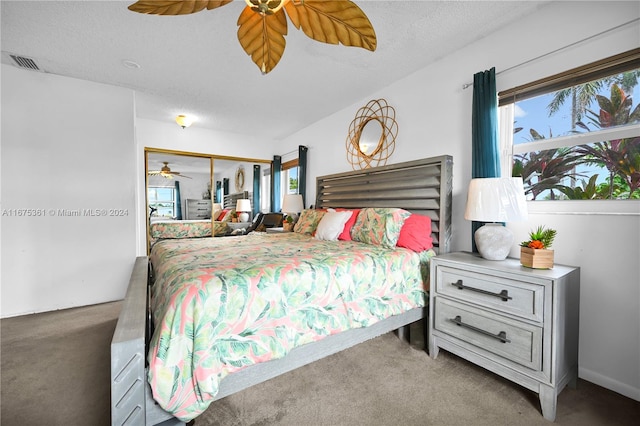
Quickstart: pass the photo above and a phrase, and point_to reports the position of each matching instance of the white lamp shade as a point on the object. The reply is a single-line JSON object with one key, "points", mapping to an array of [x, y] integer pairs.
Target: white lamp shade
{"points": [[243, 205], [496, 200], [292, 203]]}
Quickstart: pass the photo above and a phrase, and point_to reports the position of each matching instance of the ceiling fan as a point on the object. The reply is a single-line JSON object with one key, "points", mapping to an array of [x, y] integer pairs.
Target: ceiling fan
{"points": [[166, 172], [263, 24]]}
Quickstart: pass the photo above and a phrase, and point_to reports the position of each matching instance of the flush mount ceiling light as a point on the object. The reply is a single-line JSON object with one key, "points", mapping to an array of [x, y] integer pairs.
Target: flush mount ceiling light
{"points": [[263, 24], [184, 121]]}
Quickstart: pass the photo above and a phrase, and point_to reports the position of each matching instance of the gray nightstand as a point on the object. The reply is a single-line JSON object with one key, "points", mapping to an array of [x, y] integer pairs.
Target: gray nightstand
{"points": [[519, 323]]}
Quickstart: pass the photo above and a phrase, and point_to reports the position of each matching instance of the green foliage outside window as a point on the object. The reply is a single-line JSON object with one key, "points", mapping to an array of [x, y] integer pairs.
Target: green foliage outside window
{"points": [[553, 173]]}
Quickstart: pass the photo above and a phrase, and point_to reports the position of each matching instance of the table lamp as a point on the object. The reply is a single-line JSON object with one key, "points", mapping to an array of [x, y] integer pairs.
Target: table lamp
{"points": [[495, 200], [243, 207], [292, 204]]}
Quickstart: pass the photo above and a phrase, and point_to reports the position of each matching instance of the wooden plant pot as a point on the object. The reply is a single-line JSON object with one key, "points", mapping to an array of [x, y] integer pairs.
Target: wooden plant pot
{"points": [[287, 226], [536, 258]]}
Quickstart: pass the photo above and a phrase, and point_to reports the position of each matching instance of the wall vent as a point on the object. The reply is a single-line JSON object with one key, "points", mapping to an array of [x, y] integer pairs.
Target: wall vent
{"points": [[24, 62]]}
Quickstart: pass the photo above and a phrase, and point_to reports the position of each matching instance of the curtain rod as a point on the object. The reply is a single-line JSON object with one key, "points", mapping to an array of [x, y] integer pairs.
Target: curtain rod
{"points": [[295, 151], [467, 85], [290, 152]]}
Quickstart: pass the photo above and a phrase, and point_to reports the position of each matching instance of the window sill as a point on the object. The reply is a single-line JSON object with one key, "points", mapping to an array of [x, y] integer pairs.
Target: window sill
{"points": [[586, 207]]}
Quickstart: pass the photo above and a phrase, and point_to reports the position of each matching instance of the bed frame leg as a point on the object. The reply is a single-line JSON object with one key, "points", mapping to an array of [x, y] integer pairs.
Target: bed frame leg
{"points": [[404, 333]]}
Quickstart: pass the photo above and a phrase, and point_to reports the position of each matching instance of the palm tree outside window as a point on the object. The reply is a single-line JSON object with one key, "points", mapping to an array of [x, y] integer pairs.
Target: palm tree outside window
{"points": [[576, 141]]}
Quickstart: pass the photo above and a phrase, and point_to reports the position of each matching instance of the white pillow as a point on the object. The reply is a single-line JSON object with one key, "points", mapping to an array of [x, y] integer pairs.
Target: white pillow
{"points": [[331, 225]]}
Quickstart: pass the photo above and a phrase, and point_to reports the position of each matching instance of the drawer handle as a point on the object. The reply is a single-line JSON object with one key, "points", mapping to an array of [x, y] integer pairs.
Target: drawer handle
{"points": [[504, 294], [502, 336]]}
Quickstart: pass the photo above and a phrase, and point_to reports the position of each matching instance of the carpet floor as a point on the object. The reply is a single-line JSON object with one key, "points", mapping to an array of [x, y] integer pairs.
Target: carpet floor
{"points": [[55, 371]]}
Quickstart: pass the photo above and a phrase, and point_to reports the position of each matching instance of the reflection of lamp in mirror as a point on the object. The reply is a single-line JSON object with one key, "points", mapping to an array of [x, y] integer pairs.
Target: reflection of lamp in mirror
{"points": [[292, 205], [495, 200], [243, 207]]}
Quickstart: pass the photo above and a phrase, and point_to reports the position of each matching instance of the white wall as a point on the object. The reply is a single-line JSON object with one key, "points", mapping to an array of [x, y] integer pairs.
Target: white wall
{"points": [[67, 144], [433, 112]]}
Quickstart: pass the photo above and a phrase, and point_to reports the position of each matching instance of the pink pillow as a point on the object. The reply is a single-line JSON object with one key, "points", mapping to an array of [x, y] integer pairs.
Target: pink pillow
{"points": [[415, 233], [346, 232], [222, 215]]}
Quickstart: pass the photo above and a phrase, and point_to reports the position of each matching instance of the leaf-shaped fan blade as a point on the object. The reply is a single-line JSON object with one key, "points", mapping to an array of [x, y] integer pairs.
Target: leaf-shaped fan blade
{"points": [[180, 175], [262, 37], [333, 22], [175, 7]]}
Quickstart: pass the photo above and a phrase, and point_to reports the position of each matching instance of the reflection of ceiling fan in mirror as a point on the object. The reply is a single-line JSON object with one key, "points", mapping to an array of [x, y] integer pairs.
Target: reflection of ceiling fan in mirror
{"points": [[166, 172]]}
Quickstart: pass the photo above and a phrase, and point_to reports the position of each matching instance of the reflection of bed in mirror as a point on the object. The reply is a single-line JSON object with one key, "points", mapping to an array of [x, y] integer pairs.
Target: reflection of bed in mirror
{"points": [[182, 194], [193, 226], [173, 229]]}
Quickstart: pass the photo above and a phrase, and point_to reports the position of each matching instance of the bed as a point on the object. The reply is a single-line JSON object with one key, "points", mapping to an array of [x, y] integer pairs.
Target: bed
{"points": [[351, 312], [178, 229]]}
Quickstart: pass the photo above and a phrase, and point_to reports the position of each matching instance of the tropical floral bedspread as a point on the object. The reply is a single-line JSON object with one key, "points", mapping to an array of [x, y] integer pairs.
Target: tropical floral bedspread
{"points": [[221, 304], [172, 229]]}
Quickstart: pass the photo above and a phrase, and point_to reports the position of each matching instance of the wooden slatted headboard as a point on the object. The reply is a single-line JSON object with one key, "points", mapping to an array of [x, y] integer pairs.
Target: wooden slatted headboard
{"points": [[230, 200], [420, 186]]}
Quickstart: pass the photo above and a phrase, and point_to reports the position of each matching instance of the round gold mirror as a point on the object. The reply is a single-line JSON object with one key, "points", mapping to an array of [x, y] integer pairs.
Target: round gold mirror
{"points": [[372, 135]]}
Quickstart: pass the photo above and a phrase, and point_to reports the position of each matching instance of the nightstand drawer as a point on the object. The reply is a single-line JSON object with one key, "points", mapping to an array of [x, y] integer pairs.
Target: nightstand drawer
{"points": [[514, 340], [518, 298]]}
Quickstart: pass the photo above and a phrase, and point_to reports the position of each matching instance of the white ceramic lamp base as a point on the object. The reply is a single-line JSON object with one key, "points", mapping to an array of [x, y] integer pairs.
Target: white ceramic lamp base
{"points": [[243, 217], [493, 241]]}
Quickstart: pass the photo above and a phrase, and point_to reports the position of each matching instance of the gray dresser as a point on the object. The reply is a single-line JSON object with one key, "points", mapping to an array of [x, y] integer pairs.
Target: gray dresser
{"points": [[197, 209], [519, 323]]}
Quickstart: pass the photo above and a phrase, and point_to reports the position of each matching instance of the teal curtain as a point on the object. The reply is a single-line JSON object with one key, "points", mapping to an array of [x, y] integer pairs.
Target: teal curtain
{"points": [[302, 173], [485, 154], [178, 202], [276, 168], [256, 189]]}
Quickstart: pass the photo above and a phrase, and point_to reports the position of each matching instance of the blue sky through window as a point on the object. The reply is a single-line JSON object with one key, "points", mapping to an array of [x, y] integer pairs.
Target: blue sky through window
{"points": [[533, 114]]}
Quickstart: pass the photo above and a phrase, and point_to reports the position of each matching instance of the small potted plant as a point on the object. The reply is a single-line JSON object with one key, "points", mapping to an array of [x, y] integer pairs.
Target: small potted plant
{"points": [[536, 251], [288, 223]]}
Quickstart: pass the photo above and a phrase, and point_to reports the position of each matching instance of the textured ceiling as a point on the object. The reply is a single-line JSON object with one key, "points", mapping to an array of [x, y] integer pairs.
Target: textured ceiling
{"points": [[194, 64]]}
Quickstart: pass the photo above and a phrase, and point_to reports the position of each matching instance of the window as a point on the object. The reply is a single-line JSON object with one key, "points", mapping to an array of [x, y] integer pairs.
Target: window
{"points": [[163, 199], [290, 177], [265, 190], [576, 135]]}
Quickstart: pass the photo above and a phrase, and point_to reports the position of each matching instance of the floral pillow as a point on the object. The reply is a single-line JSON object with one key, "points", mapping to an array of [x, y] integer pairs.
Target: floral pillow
{"points": [[379, 226], [308, 221]]}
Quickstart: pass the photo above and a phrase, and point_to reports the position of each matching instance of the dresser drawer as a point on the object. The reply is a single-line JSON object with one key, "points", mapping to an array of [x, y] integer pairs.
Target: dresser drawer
{"points": [[511, 339], [518, 298]]}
